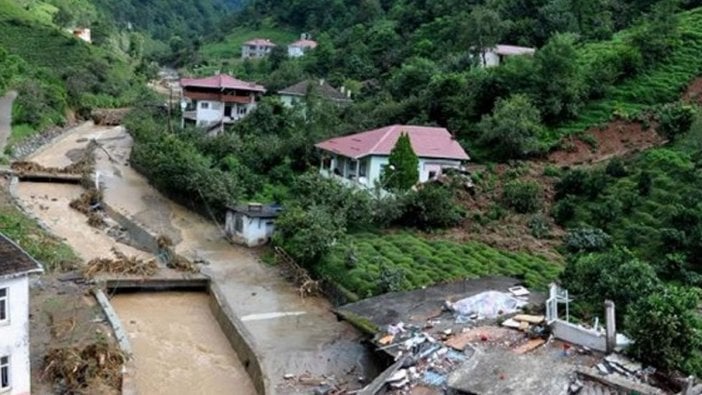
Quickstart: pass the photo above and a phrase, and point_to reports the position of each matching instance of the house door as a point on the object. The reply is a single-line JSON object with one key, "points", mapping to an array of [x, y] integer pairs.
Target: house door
{"points": [[227, 111]]}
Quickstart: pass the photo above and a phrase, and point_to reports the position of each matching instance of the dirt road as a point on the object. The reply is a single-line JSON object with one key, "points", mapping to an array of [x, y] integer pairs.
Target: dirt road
{"points": [[295, 336], [6, 117]]}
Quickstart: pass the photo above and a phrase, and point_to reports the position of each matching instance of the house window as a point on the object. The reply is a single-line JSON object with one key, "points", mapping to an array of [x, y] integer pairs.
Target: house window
{"points": [[242, 111], [4, 306], [204, 105], [4, 373], [362, 168], [432, 175], [238, 223]]}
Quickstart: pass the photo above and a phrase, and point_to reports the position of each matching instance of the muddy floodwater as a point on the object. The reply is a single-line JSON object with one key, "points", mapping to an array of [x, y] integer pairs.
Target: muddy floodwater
{"points": [[178, 346]]}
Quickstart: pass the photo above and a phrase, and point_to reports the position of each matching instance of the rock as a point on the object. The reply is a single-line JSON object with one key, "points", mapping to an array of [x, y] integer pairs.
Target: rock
{"points": [[288, 376], [397, 376]]}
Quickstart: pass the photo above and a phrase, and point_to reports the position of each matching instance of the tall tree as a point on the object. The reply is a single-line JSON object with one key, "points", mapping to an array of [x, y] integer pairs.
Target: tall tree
{"points": [[512, 131], [483, 30], [402, 172]]}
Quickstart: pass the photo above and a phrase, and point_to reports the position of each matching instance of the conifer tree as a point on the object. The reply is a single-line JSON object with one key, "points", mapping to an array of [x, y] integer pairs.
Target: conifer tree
{"points": [[402, 171]]}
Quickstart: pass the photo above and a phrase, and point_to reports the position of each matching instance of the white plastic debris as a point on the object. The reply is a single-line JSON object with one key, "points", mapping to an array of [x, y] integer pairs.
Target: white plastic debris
{"points": [[489, 304]]}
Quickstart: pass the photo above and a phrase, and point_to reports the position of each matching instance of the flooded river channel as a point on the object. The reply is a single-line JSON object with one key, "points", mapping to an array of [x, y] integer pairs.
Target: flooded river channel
{"points": [[178, 346]]}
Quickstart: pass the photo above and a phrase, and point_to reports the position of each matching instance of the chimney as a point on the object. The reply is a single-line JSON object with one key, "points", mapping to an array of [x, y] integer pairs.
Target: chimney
{"points": [[611, 329]]}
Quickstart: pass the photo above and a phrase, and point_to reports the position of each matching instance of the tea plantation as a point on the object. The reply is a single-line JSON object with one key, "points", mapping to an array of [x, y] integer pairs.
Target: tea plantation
{"points": [[358, 264]]}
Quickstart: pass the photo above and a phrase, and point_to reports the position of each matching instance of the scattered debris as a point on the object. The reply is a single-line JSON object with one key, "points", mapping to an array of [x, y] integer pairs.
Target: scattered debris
{"points": [[89, 203], [489, 304], [76, 367], [530, 345], [120, 265], [297, 274], [518, 291], [108, 117], [172, 260]]}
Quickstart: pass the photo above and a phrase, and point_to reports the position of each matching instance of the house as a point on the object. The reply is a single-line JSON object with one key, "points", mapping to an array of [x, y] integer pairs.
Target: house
{"points": [[495, 56], [257, 48], [251, 224], [217, 100], [360, 159], [15, 267], [299, 47], [296, 93]]}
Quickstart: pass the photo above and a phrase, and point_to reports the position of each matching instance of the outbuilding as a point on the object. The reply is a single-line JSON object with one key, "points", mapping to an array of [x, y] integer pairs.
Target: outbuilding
{"points": [[251, 224]]}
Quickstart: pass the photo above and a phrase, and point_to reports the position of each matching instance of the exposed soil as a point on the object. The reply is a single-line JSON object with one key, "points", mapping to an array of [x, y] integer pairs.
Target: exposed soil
{"points": [[693, 94], [617, 138]]}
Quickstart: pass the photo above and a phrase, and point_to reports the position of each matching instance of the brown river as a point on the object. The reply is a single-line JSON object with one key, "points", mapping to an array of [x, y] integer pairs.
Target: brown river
{"points": [[178, 346]]}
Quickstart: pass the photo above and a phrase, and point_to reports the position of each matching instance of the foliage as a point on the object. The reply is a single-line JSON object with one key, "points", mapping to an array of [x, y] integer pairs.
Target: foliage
{"points": [[307, 234], [587, 240], [523, 196], [665, 328], [513, 128], [425, 262], [402, 171], [432, 206], [675, 119]]}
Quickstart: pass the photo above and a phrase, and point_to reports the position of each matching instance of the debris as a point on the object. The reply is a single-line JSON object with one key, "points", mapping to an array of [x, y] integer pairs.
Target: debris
{"points": [[120, 265], [518, 291], [297, 274], [602, 368], [385, 340], [511, 323], [489, 304], [288, 376], [172, 260], [400, 375], [532, 319], [530, 345], [397, 328], [76, 367]]}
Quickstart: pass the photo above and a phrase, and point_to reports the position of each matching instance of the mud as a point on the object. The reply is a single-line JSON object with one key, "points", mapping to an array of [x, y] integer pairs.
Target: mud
{"points": [[295, 336], [179, 349]]}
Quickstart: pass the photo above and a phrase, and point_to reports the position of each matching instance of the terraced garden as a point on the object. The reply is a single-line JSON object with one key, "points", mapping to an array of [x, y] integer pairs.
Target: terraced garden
{"points": [[359, 263]]}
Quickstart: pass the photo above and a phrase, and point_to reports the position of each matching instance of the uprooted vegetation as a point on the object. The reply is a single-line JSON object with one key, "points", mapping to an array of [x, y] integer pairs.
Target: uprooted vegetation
{"points": [[121, 264], [171, 258], [87, 203], [79, 369]]}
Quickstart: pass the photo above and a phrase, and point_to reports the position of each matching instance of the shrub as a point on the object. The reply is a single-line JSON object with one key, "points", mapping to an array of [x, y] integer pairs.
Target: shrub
{"points": [[587, 240], [431, 207], [645, 182], [513, 129], [523, 196], [564, 210], [675, 119], [539, 226], [616, 168], [572, 183], [308, 234]]}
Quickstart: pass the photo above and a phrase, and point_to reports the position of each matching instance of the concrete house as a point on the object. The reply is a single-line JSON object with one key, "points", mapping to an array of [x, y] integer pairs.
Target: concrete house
{"points": [[82, 33], [301, 46], [360, 159], [494, 57], [257, 48], [251, 224], [15, 267], [296, 93], [218, 100]]}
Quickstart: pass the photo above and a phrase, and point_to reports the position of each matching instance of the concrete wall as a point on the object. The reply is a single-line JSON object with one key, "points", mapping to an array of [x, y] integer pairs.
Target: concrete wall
{"points": [[138, 235], [14, 334], [255, 231], [213, 113], [578, 335], [295, 52], [241, 340]]}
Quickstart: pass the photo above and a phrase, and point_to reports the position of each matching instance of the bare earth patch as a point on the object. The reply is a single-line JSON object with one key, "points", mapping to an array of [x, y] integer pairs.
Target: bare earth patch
{"points": [[693, 94], [617, 138]]}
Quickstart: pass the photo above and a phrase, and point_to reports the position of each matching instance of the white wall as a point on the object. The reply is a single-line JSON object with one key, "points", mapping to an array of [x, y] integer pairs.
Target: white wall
{"points": [[491, 59], [289, 100], [214, 112], [255, 232], [295, 52], [14, 336]]}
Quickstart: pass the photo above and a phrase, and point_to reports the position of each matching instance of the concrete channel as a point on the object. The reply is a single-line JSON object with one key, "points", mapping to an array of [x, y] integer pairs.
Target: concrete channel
{"points": [[273, 333]]}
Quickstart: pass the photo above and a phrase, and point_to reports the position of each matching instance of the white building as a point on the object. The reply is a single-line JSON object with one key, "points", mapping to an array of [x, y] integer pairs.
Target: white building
{"points": [[15, 268], [360, 159], [257, 48], [82, 33], [296, 93], [218, 100], [251, 224], [301, 46], [494, 57]]}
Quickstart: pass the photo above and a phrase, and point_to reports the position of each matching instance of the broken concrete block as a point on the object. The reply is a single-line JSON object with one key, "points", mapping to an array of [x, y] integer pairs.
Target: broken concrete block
{"points": [[532, 319], [397, 376], [510, 323]]}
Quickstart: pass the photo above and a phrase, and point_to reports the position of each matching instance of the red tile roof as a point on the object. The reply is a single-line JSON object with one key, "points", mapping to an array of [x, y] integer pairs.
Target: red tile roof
{"points": [[261, 42], [427, 142], [304, 44], [221, 81]]}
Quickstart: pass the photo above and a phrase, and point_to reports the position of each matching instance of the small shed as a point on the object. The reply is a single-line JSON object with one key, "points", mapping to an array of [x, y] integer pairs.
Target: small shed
{"points": [[251, 224]]}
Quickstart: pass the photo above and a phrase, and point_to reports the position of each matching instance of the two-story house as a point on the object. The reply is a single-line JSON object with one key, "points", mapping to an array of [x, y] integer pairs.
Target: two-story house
{"points": [[321, 88], [218, 100], [257, 48], [15, 267], [360, 159]]}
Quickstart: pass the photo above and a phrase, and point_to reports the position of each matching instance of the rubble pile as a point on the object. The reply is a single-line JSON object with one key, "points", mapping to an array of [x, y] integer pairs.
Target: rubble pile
{"points": [[109, 116], [89, 203], [122, 264], [76, 368]]}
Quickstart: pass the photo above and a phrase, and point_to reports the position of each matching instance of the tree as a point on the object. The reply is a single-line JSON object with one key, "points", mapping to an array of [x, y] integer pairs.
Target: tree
{"points": [[558, 78], [483, 30], [63, 18], [522, 196], [308, 234], [675, 119], [659, 33], [513, 129], [402, 171], [431, 207], [666, 329]]}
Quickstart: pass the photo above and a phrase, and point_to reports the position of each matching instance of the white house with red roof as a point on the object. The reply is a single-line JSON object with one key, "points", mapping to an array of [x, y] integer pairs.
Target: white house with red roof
{"points": [[301, 46], [360, 159], [218, 100], [495, 56], [257, 48]]}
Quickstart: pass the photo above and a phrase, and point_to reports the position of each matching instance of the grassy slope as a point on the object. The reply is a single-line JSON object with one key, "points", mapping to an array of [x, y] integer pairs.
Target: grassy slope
{"points": [[662, 84], [230, 47], [428, 262]]}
